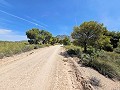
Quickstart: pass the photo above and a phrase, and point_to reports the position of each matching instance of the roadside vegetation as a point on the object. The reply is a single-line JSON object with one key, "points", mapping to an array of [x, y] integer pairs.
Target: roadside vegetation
{"points": [[37, 39], [8, 48], [37, 36], [92, 43], [97, 48]]}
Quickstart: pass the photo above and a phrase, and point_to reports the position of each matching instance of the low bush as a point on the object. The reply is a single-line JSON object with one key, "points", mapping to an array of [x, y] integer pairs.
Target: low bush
{"points": [[36, 47], [66, 41], [46, 45], [1, 55], [8, 53], [108, 47], [104, 68], [106, 63], [95, 82], [28, 48], [117, 50], [8, 49], [74, 51]]}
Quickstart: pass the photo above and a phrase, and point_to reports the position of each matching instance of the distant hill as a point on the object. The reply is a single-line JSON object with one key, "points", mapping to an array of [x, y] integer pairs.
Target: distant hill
{"points": [[61, 37]]}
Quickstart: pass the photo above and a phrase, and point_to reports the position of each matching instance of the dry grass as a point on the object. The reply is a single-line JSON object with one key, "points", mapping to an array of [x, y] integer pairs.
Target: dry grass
{"points": [[8, 49]]}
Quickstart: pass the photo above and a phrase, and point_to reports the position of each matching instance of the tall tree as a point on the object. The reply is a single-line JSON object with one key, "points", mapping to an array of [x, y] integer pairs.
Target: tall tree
{"points": [[33, 35], [88, 33], [45, 36], [36, 36]]}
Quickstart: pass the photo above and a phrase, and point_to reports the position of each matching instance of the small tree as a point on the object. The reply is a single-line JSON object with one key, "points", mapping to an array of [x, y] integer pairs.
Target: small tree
{"points": [[88, 33], [33, 35], [45, 36], [103, 41], [53, 40], [36, 36], [114, 38], [66, 41]]}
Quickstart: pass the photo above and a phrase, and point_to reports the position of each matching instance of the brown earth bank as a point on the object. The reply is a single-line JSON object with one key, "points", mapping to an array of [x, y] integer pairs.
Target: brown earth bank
{"points": [[48, 69]]}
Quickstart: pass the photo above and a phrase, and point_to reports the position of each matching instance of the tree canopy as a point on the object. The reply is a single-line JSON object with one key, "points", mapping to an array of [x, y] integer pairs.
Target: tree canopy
{"points": [[66, 41], [36, 36], [88, 33], [33, 35]]}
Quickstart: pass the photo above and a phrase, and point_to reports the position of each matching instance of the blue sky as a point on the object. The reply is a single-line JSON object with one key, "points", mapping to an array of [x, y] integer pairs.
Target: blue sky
{"points": [[56, 16]]}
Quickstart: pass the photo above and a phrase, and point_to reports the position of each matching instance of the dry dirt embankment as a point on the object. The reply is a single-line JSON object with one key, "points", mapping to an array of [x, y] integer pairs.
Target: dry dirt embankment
{"points": [[42, 69]]}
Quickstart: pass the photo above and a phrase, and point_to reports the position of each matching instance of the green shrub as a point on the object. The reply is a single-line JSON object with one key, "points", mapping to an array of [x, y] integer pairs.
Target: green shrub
{"points": [[41, 46], [91, 50], [71, 52], [1, 55], [104, 68], [66, 41], [86, 59], [28, 48], [106, 63], [8, 49], [108, 47], [47, 45], [8, 53], [36, 47], [74, 51], [117, 50]]}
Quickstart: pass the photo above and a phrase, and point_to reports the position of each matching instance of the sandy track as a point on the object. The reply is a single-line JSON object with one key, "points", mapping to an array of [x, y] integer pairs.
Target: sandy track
{"points": [[41, 70]]}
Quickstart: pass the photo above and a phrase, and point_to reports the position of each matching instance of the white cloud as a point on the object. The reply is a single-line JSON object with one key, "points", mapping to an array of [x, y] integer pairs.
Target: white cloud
{"points": [[5, 31], [9, 35], [12, 37]]}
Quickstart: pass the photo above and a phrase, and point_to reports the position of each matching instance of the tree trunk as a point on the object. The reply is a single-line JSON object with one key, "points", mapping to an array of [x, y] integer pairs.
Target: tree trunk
{"points": [[85, 47]]}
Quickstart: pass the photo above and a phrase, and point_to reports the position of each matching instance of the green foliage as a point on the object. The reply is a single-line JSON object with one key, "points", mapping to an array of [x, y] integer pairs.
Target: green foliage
{"points": [[66, 41], [103, 41], [114, 41], [108, 47], [91, 50], [76, 43], [106, 63], [114, 38], [27, 48], [45, 36], [8, 49], [61, 41], [73, 50], [95, 38], [33, 35], [117, 50], [104, 68], [87, 33], [36, 36], [1, 55], [54, 40]]}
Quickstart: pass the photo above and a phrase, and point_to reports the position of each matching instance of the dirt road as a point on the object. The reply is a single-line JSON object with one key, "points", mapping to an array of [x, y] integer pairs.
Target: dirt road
{"points": [[46, 69], [39, 70]]}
